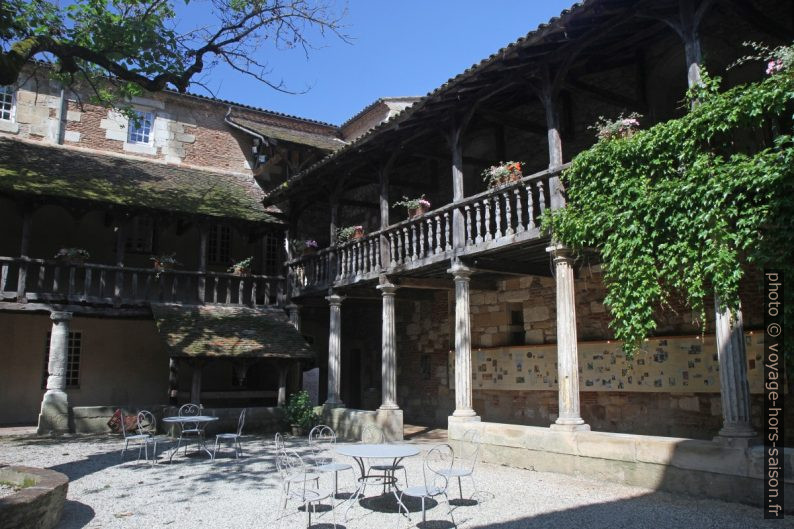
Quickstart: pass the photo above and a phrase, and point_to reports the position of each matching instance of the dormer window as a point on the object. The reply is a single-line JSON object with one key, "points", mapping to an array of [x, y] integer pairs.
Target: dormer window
{"points": [[6, 103], [140, 128]]}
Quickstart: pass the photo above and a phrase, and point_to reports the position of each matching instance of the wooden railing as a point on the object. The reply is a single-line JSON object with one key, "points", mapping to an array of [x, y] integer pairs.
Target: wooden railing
{"points": [[50, 281], [497, 217]]}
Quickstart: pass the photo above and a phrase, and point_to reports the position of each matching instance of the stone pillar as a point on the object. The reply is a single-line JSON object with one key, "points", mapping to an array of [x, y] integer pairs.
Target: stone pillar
{"points": [[294, 312], [734, 388], [389, 350], [567, 352], [54, 416], [282, 385], [463, 400], [334, 351]]}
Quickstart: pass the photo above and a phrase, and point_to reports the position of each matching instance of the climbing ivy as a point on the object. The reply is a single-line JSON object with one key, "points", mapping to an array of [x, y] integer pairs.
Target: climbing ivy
{"points": [[678, 211]]}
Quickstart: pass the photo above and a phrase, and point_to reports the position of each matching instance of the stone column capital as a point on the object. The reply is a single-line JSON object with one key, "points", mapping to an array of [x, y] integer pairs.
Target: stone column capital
{"points": [[58, 316], [460, 271], [387, 289], [560, 253], [335, 300]]}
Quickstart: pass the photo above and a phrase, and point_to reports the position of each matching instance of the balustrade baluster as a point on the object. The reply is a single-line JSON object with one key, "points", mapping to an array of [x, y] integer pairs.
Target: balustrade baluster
{"points": [[102, 283], [497, 216], [214, 289], [415, 254], [467, 210], [87, 284], [3, 278], [266, 294], [478, 223], [530, 208], [253, 292], [437, 220], [429, 228], [70, 290], [365, 252], [486, 206], [448, 231], [519, 216], [42, 274], [174, 285], [541, 198], [228, 290], [392, 250], [240, 291], [134, 286], [508, 214]]}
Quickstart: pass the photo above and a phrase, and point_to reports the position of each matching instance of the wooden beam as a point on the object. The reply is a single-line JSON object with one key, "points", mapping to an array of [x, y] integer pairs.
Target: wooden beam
{"points": [[433, 283], [514, 122], [761, 22], [358, 204], [505, 267], [603, 95], [136, 312], [466, 159]]}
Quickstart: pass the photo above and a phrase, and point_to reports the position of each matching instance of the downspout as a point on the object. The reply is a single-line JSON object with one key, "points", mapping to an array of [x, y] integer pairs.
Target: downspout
{"points": [[63, 109], [249, 132]]}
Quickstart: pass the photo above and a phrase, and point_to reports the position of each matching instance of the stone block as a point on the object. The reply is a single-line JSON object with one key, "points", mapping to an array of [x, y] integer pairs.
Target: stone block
{"points": [[7, 126], [73, 115], [185, 138], [537, 313], [534, 337], [72, 136], [612, 446], [514, 296]]}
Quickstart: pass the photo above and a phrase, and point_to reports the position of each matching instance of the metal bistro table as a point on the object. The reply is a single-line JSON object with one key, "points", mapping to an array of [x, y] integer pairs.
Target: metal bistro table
{"points": [[361, 452], [200, 422]]}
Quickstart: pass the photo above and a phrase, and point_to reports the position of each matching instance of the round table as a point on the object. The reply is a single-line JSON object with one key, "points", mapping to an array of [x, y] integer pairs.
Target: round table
{"points": [[200, 422], [362, 451]]}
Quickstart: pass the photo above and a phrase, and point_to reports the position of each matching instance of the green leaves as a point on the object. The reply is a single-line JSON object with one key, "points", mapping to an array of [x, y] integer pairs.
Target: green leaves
{"points": [[681, 209]]}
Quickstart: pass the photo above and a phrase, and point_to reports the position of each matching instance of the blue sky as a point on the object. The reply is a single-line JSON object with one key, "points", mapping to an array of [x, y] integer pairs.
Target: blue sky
{"points": [[399, 48]]}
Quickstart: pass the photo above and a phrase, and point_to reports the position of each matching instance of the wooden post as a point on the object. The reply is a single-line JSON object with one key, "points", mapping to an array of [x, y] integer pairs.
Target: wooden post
{"points": [[173, 381], [282, 385], [385, 254], [202, 279], [458, 222], [24, 248], [121, 240], [549, 98], [333, 226]]}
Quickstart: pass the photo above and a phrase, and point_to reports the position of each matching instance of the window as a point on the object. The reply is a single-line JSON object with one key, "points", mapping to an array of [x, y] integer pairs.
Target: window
{"points": [[72, 360], [140, 235], [139, 130], [271, 250], [219, 243], [6, 103]]}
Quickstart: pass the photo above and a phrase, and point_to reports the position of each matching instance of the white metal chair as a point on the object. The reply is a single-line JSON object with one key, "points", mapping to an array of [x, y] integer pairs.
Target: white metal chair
{"points": [[322, 440], [279, 443], [232, 438], [295, 476], [137, 438], [280, 447], [374, 435], [435, 467], [188, 429], [467, 458], [147, 425]]}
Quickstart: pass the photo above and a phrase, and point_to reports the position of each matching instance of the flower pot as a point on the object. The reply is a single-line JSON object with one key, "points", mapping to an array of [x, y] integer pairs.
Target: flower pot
{"points": [[358, 234], [308, 251], [297, 430], [162, 266], [241, 272], [72, 261], [417, 212]]}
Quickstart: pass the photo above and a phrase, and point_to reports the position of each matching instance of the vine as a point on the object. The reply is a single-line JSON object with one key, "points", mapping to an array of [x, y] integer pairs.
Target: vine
{"points": [[681, 209]]}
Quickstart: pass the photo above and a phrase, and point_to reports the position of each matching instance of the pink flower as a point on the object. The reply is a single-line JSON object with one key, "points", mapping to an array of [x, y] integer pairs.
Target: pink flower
{"points": [[774, 66]]}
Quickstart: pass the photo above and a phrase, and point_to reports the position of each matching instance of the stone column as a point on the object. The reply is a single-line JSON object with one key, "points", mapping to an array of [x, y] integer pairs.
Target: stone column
{"points": [[334, 351], [463, 400], [567, 352], [389, 350], [282, 385], [54, 416], [734, 388], [294, 312]]}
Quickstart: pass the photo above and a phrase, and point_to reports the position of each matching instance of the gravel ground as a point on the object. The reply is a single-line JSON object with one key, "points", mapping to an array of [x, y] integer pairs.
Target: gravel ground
{"points": [[6, 490], [196, 493]]}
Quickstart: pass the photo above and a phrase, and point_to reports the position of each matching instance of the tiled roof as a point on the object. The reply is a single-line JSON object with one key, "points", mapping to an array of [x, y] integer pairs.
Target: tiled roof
{"points": [[213, 331], [45, 170], [320, 141]]}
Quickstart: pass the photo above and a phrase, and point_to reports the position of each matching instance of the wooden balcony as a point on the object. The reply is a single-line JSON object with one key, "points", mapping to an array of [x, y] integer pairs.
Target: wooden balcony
{"points": [[504, 218], [40, 281]]}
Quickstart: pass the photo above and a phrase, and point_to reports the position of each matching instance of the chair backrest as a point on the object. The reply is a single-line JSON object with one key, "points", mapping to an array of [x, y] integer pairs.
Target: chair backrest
{"points": [[241, 422], [291, 467], [279, 442], [125, 427], [372, 435], [322, 440], [189, 410], [147, 424], [435, 468], [470, 448]]}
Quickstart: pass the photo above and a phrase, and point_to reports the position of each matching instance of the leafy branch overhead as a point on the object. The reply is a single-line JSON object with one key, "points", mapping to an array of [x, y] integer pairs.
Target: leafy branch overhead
{"points": [[680, 210], [139, 44]]}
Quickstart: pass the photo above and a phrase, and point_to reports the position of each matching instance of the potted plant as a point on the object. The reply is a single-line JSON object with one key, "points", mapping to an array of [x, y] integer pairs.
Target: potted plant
{"points": [[416, 206], [622, 127], [300, 413], [309, 247], [73, 256], [166, 261], [349, 233], [504, 173], [241, 268]]}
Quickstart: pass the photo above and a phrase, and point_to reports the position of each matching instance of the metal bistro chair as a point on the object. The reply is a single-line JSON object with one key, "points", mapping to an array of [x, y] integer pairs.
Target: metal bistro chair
{"points": [[232, 438], [189, 429], [147, 425], [281, 446], [435, 467], [138, 438], [279, 443], [468, 456], [322, 440], [293, 471], [374, 435]]}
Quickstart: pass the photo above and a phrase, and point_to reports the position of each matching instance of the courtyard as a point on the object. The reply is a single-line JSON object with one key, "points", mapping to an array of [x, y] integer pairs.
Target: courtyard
{"points": [[194, 492]]}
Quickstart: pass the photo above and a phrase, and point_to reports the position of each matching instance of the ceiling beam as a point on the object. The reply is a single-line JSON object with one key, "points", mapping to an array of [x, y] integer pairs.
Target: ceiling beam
{"points": [[438, 283], [510, 268], [514, 122], [629, 103]]}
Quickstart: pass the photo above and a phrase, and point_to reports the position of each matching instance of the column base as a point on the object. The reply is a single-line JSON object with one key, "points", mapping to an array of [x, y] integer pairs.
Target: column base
{"points": [[464, 418], [570, 427], [737, 436], [388, 407], [330, 405], [54, 416]]}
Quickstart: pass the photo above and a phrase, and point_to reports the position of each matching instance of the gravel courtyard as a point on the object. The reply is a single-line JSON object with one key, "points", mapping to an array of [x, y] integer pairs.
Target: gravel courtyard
{"points": [[195, 493]]}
